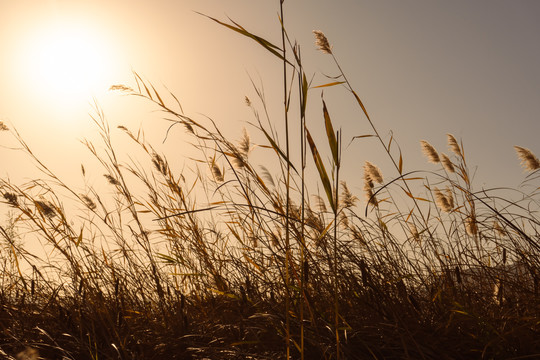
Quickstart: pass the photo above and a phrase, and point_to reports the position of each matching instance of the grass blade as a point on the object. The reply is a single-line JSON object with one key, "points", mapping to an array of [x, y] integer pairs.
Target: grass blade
{"points": [[331, 135], [322, 170]]}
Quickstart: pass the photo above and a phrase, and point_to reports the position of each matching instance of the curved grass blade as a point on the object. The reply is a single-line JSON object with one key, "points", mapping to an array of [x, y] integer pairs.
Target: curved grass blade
{"points": [[263, 42], [322, 170], [332, 141], [277, 148], [329, 84]]}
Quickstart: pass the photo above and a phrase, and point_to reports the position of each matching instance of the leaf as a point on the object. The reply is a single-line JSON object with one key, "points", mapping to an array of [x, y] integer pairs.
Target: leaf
{"points": [[252, 263], [409, 216], [239, 29], [167, 258], [304, 94], [361, 105], [245, 342], [400, 162], [325, 230], [79, 239], [231, 229], [17, 263], [460, 312], [145, 87], [187, 274], [276, 148], [382, 224], [332, 141], [362, 136], [329, 84], [159, 97], [414, 197], [322, 170], [229, 295]]}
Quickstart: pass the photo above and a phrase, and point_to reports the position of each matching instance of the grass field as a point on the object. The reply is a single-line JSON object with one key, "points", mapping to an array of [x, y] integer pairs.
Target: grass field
{"points": [[420, 266]]}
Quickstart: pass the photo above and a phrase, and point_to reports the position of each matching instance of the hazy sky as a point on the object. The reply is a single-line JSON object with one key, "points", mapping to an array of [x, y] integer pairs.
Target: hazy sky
{"points": [[423, 68]]}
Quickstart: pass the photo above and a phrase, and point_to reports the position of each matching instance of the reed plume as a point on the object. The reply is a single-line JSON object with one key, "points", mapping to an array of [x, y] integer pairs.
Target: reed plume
{"points": [[373, 173], [444, 201], [244, 144], [430, 152], [529, 161], [322, 42], [453, 145], [447, 163], [414, 232], [470, 226], [11, 199], [348, 199]]}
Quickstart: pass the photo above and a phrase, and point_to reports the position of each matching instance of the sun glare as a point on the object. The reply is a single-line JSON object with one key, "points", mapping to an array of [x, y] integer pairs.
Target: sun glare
{"points": [[68, 62]]}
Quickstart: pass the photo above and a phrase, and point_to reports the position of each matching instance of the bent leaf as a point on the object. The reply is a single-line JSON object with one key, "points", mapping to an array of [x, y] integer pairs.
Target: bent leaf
{"points": [[277, 148], [322, 170], [332, 141], [329, 84], [239, 29]]}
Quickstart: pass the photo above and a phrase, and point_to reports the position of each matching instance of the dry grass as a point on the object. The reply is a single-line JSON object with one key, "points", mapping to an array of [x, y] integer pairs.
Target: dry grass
{"points": [[259, 270]]}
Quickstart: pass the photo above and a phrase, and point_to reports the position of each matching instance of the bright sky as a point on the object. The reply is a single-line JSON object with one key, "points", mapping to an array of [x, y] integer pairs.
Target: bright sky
{"points": [[422, 67]]}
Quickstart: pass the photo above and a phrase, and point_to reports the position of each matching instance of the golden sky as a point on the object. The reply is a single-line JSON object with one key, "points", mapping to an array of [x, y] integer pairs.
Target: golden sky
{"points": [[422, 67]]}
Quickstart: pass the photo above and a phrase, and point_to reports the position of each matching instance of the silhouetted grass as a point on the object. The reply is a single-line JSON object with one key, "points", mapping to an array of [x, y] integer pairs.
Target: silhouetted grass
{"points": [[426, 267]]}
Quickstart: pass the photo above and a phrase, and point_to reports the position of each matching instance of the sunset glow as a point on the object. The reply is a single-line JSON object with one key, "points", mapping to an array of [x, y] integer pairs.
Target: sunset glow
{"points": [[67, 62], [273, 179]]}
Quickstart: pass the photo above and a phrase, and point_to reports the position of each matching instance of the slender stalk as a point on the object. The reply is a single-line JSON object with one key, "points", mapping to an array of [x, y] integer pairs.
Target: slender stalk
{"points": [[303, 263], [335, 270], [378, 136], [287, 187]]}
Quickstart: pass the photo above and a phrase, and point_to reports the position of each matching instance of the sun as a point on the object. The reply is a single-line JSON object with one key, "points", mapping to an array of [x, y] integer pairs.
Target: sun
{"points": [[68, 62]]}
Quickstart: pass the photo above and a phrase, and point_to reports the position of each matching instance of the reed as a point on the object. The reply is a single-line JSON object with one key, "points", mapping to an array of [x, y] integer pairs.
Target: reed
{"points": [[229, 258]]}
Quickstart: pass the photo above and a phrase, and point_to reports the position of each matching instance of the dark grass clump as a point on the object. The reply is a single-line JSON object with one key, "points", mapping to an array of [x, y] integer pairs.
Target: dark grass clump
{"points": [[264, 266]]}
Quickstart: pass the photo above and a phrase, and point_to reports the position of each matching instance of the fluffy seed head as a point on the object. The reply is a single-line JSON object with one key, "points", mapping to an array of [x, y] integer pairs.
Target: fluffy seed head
{"points": [[159, 164], [414, 231], [88, 202], [445, 203], [245, 143], [453, 145], [430, 152], [120, 87], [372, 173], [344, 220], [497, 227], [322, 42], [450, 197], [368, 190], [45, 208], [447, 163], [11, 199], [319, 202], [348, 199], [528, 160], [111, 179], [471, 227], [28, 354], [217, 173]]}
